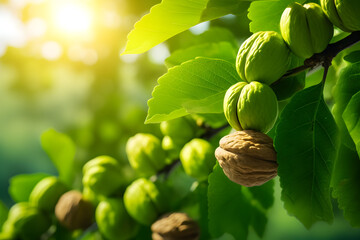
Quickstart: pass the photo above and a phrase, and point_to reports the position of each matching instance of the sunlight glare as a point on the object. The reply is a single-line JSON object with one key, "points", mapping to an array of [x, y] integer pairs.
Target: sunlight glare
{"points": [[73, 18]]}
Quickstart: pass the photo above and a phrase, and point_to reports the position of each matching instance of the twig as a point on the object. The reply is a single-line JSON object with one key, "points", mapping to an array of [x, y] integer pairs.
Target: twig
{"points": [[325, 57]]}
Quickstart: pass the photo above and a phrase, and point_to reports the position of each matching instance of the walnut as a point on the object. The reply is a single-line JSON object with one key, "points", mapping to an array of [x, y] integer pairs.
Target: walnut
{"points": [[247, 157], [175, 226], [74, 212]]}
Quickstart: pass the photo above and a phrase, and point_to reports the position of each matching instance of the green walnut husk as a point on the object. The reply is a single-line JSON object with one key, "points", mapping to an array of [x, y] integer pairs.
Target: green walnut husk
{"points": [[343, 13], [26, 222], [113, 221], [182, 129], [103, 175], [46, 193], [251, 106], [306, 29], [172, 147], [143, 201], [197, 158], [264, 57], [145, 154]]}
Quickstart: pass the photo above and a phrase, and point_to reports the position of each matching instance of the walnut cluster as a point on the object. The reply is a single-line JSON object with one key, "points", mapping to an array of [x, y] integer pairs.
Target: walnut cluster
{"points": [[247, 157], [175, 226]]}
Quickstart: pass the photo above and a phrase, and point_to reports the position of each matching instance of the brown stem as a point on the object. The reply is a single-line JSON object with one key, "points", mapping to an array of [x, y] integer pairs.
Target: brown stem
{"points": [[324, 58]]}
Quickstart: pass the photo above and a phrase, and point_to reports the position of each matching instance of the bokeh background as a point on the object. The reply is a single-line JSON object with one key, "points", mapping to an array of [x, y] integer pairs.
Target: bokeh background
{"points": [[61, 68]]}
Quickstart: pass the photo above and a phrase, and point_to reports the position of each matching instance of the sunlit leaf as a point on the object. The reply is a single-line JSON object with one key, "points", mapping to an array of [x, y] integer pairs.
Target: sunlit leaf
{"points": [[218, 8], [22, 185], [306, 143], [213, 35], [61, 150], [351, 118], [171, 17], [165, 20], [221, 50], [265, 15], [345, 184], [196, 86]]}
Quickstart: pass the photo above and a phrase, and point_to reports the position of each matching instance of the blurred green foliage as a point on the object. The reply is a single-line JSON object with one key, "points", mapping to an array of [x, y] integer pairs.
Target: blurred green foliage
{"points": [[97, 97]]}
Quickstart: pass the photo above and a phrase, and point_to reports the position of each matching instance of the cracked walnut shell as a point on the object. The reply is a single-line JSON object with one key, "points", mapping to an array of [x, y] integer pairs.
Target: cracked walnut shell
{"points": [[175, 226], [247, 157]]}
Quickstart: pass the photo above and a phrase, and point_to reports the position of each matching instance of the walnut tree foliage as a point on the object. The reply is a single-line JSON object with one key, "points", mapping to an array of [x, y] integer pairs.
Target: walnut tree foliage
{"points": [[317, 139], [316, 136]]}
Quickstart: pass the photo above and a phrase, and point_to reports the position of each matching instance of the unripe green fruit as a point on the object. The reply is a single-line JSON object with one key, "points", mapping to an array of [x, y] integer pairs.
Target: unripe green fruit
{"points": [[145, 154], [74, 212], [103, 175], [46, 193], [26, 222], [143, 201], [172, 146], [182, 129], [263, 57], [305, 29], [197, 158], [251, 106], [343, 13], [113, 221]]}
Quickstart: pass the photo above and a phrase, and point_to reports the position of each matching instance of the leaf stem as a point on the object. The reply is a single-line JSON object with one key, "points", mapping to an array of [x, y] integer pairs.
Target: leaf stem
{"points": [[326, 70]]}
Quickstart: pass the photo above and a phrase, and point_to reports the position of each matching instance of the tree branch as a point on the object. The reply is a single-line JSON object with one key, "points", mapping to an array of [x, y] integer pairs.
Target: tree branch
{"points": [[324, 58]]}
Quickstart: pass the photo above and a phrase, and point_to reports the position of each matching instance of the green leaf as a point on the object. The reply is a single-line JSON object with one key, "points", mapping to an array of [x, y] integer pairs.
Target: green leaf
{"points": [[22, 185], [351, 118], [165, 20], [229, 210], [233, 208], [345, 183], [218, 8], [220, 50], [3, 213], [265, 15], [347, 85], [172, 17], [178, 185], [259, 221], [264, 194], [215, 120], [61, 150], [196, 86], [353, 57], [202, 199], [306, 144]]}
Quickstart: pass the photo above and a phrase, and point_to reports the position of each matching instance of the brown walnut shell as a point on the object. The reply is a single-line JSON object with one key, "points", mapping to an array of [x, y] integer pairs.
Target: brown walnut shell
{"points": [[175, 226], [247, 157], [73, 212]]}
